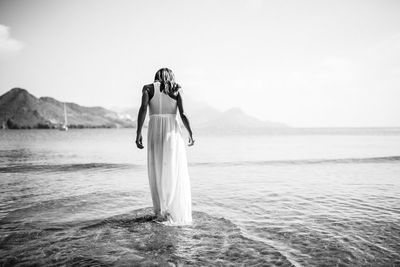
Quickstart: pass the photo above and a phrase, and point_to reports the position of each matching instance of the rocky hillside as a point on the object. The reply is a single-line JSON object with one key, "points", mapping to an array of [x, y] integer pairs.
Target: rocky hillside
{"points": [[21, 110]]}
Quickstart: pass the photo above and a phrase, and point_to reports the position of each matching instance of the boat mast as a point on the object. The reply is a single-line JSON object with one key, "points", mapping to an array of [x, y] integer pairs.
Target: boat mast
{"points": [[65, 115]]}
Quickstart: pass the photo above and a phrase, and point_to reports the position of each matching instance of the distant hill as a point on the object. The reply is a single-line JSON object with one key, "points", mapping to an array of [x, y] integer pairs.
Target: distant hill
{"points": [[21, 110], [208, 119], [236, 120]]}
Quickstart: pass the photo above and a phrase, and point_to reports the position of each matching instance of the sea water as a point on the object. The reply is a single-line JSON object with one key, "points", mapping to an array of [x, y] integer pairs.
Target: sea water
{"points": [[316, 198]]}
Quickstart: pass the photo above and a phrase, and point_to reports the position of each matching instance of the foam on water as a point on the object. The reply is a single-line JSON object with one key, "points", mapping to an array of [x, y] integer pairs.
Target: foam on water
{"points": [[15, 168]]}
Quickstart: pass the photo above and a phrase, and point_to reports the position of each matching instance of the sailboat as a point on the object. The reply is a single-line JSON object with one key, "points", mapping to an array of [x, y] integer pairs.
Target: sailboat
{"points": [[64, 127]]}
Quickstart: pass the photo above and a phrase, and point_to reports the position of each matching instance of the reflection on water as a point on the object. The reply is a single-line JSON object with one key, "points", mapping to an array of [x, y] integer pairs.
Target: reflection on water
{"points": [[83, 199]]}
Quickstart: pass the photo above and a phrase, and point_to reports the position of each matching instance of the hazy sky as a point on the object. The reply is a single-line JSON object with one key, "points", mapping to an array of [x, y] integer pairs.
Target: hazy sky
{"points": [[305, 63]]}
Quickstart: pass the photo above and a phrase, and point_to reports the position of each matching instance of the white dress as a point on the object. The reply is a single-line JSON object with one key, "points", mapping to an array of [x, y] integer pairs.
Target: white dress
{"points": [[166, 161]]}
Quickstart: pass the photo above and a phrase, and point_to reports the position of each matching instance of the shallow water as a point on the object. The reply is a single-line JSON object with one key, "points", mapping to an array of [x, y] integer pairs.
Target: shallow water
{"points": [[82, 198]]}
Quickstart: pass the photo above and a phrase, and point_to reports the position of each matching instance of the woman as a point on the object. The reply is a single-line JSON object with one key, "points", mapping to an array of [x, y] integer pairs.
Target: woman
{"points": [[166, 155]]}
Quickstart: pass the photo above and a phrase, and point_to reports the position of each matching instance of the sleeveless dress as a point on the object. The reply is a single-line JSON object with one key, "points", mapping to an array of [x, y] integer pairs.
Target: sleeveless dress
{"points": [[166, 161]]}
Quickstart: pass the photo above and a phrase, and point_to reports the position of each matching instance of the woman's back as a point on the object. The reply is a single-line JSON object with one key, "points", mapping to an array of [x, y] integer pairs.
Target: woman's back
{"points": [[162, 103]]}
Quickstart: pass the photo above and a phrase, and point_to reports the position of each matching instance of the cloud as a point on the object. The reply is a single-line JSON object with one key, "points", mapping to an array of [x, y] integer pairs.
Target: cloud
{"points": [[7, 43]]}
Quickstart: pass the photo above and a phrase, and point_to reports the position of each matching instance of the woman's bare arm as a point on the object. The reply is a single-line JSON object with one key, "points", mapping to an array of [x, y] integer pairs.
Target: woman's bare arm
{"points": [[141, 117], [185, 119]]}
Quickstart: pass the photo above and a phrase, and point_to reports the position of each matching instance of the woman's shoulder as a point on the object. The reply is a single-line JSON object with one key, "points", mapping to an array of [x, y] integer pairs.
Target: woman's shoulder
{"points": [[149, 88], [177, 89]]}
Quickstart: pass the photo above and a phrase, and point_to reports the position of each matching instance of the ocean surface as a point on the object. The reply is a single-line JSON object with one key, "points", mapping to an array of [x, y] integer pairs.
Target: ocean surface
{"points": [[307, 198]]}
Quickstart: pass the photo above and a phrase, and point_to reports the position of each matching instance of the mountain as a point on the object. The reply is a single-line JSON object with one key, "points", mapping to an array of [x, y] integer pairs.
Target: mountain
{"points": [[206, 118], [21, 110], [235, 119]]}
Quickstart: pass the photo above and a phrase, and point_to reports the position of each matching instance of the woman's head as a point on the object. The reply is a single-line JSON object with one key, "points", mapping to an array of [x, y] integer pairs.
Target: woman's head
{"points": [[167, 79]]}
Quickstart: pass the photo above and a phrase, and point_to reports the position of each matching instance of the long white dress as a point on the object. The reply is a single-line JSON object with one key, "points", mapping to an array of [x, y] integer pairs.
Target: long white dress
{"points": [[166, 161]]}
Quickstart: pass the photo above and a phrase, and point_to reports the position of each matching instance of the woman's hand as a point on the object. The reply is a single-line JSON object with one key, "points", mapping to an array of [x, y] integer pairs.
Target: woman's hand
{"points": [[191, 141], [138, 141]]}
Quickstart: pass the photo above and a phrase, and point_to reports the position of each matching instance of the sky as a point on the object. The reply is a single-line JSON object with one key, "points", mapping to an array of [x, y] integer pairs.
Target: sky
{"points": [[303, 63]]}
